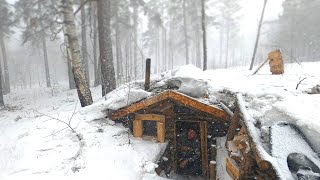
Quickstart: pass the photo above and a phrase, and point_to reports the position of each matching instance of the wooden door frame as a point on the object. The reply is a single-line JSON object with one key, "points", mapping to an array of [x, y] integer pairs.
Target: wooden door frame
{"points": [[203, 126]]}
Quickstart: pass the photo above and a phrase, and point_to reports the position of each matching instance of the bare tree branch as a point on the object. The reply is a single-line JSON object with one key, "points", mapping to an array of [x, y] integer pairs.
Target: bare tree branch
{"points": [[300, 82], [81, 6]]}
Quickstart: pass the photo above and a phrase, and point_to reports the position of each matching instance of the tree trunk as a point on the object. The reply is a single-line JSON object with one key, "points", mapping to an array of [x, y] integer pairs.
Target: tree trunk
{"points": [[118, 45], [227, 46], [105, 45], [46, 63], [204, 34], [72, 84], [186, 43], [221, 46], [84, 42], [78, 71], [1, 92], [6, 69], [45, 52], [96, 67], [258, 35], [135, 37]]}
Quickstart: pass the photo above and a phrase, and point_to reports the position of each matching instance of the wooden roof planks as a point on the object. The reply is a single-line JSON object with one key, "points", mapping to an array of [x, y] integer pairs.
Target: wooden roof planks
{"points": [[175, 96]]}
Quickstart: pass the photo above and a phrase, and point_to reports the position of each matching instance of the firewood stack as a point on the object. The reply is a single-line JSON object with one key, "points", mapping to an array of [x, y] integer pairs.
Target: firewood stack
{"points": [[276, 62]]}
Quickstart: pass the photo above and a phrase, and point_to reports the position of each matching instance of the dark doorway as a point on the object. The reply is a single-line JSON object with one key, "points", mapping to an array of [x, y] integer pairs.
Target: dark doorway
{"points": [[188, 148]]}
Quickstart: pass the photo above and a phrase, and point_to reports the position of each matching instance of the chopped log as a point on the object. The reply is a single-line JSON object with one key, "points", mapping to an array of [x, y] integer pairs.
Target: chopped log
{"points": [[232, 168], [233, 125], [276, 62]]}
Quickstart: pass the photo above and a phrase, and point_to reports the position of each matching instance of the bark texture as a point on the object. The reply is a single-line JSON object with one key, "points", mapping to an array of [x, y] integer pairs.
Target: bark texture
{"points": [[108, 80], [78, 71], [84, 42], [6, 86]]}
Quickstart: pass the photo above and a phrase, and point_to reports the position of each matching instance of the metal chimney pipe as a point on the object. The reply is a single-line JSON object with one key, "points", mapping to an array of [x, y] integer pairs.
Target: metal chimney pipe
{"points": [[148, 71]]}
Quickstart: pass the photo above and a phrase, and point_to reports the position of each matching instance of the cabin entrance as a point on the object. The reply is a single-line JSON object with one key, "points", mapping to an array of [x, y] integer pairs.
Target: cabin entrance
{"points": [[191, 148]]}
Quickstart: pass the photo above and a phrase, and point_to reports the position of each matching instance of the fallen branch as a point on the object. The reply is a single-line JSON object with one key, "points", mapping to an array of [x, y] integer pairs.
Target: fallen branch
{"points": [[260, 67], [300, 82]]}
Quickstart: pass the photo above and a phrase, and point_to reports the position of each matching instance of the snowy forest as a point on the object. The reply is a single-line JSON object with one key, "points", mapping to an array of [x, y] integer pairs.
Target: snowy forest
{"points": [[63, 62], [114, 41]]}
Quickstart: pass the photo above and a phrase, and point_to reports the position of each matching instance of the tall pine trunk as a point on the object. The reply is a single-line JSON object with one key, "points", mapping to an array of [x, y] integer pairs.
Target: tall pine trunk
{"points": [[6, 86], [96, 68], [118, 45], [84, 42], [258, 35], [204, 34], [1, 88], [45, 51], [46, 62], [78, 71], [108, 79], [227, 46], [135, 37], [185, 31]]}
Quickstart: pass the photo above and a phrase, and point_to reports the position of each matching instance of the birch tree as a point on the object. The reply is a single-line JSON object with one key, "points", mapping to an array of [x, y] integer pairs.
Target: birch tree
{"points": [[78, 71]]}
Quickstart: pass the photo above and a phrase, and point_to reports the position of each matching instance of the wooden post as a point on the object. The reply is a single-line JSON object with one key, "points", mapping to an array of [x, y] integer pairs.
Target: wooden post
{"points": [[161, 132], [137, 128], [213, 173], [148, 72]]}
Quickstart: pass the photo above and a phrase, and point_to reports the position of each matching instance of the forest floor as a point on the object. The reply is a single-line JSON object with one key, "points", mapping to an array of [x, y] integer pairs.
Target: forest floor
{"points": [[36, 142]]}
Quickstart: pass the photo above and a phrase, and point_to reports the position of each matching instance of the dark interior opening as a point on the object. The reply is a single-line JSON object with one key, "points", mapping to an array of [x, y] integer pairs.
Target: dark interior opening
{"points": [[188, 149], [150, 128]]}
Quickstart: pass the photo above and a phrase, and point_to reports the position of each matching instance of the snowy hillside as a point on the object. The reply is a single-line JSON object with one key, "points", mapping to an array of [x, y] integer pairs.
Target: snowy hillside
{"points": [[35, 143]]}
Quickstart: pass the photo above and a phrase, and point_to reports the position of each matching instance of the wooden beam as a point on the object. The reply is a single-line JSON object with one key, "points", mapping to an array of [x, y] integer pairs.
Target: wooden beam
{"points": [[193, 103], [150, 117], [161, 132], [140, 105], [137, 128], [213, 171], [177, 97]]}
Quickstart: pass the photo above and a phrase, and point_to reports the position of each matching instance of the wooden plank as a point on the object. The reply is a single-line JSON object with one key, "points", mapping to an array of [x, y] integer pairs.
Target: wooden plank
{"points": [[232, 168], [140, 105], [213, 170], [193, 103], [204, 147], [137, 128], [150, 117], [161, 133]]}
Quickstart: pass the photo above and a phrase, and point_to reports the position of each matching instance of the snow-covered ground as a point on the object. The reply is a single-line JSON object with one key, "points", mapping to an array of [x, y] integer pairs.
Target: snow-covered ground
{"points": [[35, 143]]}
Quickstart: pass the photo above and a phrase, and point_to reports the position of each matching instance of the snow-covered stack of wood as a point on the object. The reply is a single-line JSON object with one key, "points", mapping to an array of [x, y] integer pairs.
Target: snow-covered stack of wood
{"points": [[276, 62]]}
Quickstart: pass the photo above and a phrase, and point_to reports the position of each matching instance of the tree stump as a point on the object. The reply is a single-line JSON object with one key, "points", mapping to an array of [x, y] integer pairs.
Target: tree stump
{"points": [[276, 62]]}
